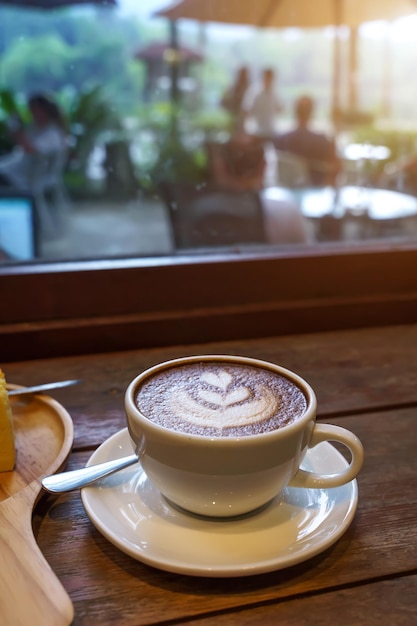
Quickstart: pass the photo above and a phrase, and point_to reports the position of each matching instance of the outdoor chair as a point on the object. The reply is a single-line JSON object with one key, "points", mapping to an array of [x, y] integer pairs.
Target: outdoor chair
{"points": [[231, 162], [295, 171], [292, 170], [210, 216]]}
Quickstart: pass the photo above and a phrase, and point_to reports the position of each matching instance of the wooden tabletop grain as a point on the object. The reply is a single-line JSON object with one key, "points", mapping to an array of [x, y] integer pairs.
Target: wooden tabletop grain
{"points": [[365, 380]]}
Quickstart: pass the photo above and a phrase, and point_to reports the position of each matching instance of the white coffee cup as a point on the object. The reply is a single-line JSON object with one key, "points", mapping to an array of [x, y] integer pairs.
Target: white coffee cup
{"points": [[226, 476]]}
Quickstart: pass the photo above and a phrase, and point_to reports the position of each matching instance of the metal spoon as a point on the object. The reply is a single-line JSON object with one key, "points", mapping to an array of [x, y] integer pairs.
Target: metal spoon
{"points": [[44, 387], [75, 479]]}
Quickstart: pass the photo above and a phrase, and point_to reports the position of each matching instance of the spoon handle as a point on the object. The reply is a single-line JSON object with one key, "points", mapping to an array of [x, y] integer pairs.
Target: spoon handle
{"points": [[44, 387], [75, 479]]}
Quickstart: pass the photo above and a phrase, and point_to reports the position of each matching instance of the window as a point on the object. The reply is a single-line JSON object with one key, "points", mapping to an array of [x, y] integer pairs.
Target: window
{"points": [[105, 273]]}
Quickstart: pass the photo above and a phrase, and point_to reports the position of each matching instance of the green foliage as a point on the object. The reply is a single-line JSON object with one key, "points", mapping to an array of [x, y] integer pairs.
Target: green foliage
{"points": [[177, 162], [10, 106], [91, 119], [212, 122], [40, 64], [176, 152], [52, 51]]}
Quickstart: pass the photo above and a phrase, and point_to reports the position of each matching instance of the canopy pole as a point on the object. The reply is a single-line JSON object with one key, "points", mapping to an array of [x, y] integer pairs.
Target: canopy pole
{"points": [[336, 78], [353, 68], [174, 76], [387, 75], [336, 63]]}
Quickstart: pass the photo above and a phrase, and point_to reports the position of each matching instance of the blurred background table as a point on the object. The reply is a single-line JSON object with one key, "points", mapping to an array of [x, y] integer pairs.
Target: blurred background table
{"points": [[363, 163], [365, 152], [365, 380], [375, 212]]}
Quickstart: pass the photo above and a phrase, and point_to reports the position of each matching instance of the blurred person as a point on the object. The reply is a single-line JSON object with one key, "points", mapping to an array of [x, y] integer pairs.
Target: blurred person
{"points": [[263, 105], [45, 136], [317, 149], [233, 98], [239, 164]]}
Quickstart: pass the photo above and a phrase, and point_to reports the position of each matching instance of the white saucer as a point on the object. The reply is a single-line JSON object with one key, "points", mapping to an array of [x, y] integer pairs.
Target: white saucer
{"points": [[135, 517]]}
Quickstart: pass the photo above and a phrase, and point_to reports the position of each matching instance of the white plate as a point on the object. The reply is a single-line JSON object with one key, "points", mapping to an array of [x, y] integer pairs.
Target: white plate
{"points": [[135, 517]]}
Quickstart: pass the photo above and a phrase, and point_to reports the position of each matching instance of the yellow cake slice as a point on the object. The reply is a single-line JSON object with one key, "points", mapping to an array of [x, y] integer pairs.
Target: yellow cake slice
{"points": [[7, 447]]}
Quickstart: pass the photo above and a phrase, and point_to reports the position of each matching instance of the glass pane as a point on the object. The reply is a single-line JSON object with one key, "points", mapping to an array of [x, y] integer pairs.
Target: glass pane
{"points": [[128, 130]]}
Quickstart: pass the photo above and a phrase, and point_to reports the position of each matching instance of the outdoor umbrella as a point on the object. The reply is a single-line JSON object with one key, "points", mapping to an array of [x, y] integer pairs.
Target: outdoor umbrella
{"points": [[160, 51], [294, 13], [157, 54], [287, 13], [54, 4]]}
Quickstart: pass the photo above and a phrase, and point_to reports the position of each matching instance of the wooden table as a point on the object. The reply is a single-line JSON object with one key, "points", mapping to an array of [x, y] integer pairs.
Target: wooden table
{"points": [[365, 380]]}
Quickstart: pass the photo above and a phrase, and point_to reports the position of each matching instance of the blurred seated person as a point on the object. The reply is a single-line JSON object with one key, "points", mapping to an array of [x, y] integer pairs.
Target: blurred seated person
{"points": [[239, 164], [319, 152], [45, 136]]}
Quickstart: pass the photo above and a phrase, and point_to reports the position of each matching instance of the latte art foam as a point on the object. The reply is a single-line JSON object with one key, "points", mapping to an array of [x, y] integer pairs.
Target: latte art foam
{"points": [[220, 399]]}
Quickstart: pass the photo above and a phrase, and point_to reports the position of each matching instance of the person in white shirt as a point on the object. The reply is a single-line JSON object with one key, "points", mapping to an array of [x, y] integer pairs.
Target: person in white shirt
{"points": [[264, 105], [46, 136]]}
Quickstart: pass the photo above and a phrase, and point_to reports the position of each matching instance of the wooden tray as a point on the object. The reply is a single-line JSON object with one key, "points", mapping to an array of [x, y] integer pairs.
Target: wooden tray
{"points": [[30, 593]]}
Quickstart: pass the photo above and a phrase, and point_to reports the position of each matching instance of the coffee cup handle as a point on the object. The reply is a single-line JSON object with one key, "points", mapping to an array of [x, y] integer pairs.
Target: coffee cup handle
{"points": [[329, 432]]}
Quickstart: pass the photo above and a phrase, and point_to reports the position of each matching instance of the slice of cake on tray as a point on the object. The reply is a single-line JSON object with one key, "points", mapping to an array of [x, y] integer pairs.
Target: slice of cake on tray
{"points": [[7, 445]]}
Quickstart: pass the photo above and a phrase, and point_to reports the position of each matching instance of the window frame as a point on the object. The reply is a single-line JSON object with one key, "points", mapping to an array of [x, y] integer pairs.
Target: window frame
{"points": [[60, 309]]}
